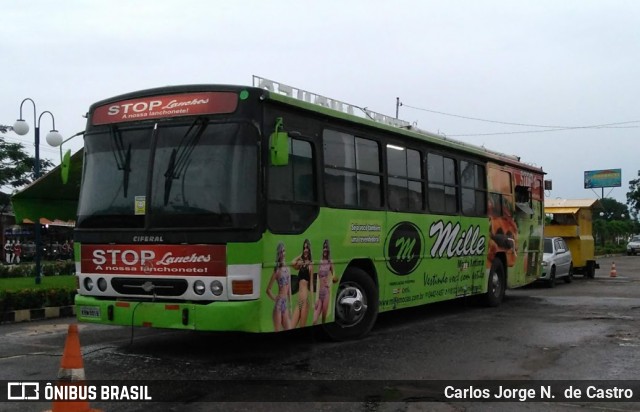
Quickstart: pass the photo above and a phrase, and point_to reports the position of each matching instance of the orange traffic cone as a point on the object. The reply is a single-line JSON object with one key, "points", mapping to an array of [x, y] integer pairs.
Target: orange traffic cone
{"points": [[613, 272], [71, 373], [71, 366]]}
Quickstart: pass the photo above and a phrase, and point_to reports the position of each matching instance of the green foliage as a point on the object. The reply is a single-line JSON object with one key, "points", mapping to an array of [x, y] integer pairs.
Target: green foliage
{"points": [[23, 293], [612, 223], [16, 166], [35, 298], [610, 249], [633, 197], [611, 210], [60, 297], [57, 268], [47, 282]]}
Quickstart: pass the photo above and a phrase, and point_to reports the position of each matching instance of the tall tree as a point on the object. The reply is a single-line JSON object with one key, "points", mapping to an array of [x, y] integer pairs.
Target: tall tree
{"points": [[612, 221], [611, 210], [16, 165]]}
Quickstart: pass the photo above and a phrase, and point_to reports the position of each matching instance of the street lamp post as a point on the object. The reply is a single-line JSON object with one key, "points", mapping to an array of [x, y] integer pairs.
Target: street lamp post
{"points": [[21, 127]]}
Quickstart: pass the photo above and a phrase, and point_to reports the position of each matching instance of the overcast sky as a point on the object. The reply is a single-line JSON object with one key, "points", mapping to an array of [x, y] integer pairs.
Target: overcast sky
{"points": [[562, 64]]}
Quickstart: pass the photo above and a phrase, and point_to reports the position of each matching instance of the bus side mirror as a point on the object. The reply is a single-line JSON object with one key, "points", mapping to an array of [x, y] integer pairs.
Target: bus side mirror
{"points": [[279, 147], [64, 166]]}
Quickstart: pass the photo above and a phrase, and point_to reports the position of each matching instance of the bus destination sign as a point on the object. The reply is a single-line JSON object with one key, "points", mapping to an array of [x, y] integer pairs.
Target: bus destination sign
{"points": [[172, 105]]}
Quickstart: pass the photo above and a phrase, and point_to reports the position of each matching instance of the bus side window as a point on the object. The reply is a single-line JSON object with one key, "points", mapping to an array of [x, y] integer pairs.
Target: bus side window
{"points": [[352, 176], [523, 194], [404, 169], [292, 191], [473, 189], [443, 190]]}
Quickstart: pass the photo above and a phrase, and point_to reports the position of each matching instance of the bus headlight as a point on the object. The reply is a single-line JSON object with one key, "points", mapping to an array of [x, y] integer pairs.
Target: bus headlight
{"points": [[216, 287], [198, 287], [102, 284], [88, 284]]}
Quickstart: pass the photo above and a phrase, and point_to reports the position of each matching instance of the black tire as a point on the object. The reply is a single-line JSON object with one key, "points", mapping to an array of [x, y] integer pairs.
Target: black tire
{"points": [[591, 269], [355, 319], [569, 277], [496, 285], [551, 282]]}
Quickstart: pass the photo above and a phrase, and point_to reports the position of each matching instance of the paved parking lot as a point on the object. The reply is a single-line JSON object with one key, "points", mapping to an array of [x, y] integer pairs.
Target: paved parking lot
{"points": [[585, 330]]}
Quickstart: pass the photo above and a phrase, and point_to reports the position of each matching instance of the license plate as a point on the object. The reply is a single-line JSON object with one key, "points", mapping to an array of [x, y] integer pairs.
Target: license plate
{"points": [[90, 311]]}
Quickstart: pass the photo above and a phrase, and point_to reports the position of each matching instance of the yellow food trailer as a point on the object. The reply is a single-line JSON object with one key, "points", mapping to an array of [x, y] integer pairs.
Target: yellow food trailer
{"points": [[571, 219]]}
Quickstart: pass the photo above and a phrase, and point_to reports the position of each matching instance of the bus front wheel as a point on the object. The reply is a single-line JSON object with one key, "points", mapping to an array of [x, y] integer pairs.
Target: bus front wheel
{"points": [[356, 306], [496, 284]]}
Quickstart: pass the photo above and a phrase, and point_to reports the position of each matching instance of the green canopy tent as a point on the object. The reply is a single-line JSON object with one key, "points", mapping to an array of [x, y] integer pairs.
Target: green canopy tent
{"points": [[48, 197]]}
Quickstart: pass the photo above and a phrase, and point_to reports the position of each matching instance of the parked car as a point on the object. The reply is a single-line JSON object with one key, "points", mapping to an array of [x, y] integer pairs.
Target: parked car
{"points": [[556, 261], [633, 247]]}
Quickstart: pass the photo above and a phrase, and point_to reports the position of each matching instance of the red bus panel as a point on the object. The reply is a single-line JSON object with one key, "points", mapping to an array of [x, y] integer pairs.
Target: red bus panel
{"points": [[169, 260], [171, 105]]}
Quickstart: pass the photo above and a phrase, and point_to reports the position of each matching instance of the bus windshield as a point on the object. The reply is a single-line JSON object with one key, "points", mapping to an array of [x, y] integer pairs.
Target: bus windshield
{"points": [[170, 175]]}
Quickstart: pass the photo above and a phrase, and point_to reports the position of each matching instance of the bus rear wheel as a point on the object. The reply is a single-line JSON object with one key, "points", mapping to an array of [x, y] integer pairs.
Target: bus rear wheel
{"points": [[356, 306], [496, 285]]}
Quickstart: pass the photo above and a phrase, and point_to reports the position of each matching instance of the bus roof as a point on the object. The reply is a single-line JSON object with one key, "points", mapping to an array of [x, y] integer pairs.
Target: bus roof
{"points": [[334, 108]]}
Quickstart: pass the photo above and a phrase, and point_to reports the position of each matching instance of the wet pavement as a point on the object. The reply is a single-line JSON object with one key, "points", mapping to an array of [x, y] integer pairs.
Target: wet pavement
{"points": [[585, 330]]}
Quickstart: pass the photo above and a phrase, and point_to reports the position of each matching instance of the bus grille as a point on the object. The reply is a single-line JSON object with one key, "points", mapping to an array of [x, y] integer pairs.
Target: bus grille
{"points": [[150, 287]]}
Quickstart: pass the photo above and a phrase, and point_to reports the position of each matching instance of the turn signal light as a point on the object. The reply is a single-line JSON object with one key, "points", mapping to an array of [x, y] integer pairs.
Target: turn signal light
{"points": [[242, 287]]}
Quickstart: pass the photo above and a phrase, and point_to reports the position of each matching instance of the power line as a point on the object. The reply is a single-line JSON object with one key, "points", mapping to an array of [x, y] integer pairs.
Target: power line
{"points": [[26, 143], [550, 128], [519, 132]]}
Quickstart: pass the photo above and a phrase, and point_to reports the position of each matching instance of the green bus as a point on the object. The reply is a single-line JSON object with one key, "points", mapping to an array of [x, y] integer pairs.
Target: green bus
{"points": [[269, 208]]}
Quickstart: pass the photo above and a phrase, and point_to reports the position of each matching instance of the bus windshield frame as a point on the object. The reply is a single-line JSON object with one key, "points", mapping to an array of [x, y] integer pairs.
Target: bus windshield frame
{"points": [[180, 173]]}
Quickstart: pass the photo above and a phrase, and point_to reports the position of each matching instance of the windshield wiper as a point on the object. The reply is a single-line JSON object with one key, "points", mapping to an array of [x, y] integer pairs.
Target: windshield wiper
{"points": [[126, 170], [179, 158], [169, 176], [123, 160]]}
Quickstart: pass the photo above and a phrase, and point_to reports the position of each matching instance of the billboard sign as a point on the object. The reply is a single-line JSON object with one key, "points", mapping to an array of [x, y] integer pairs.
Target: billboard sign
{"points": [[602, 178]]}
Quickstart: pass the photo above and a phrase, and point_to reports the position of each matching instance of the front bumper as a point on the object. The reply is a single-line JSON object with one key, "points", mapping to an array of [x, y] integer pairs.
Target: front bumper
{"points": [[216, 316]]}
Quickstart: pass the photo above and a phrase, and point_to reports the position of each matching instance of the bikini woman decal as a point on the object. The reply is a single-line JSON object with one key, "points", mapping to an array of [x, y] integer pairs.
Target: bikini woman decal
{"points": [[325, 277], [282, 276], [304, 265]]}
